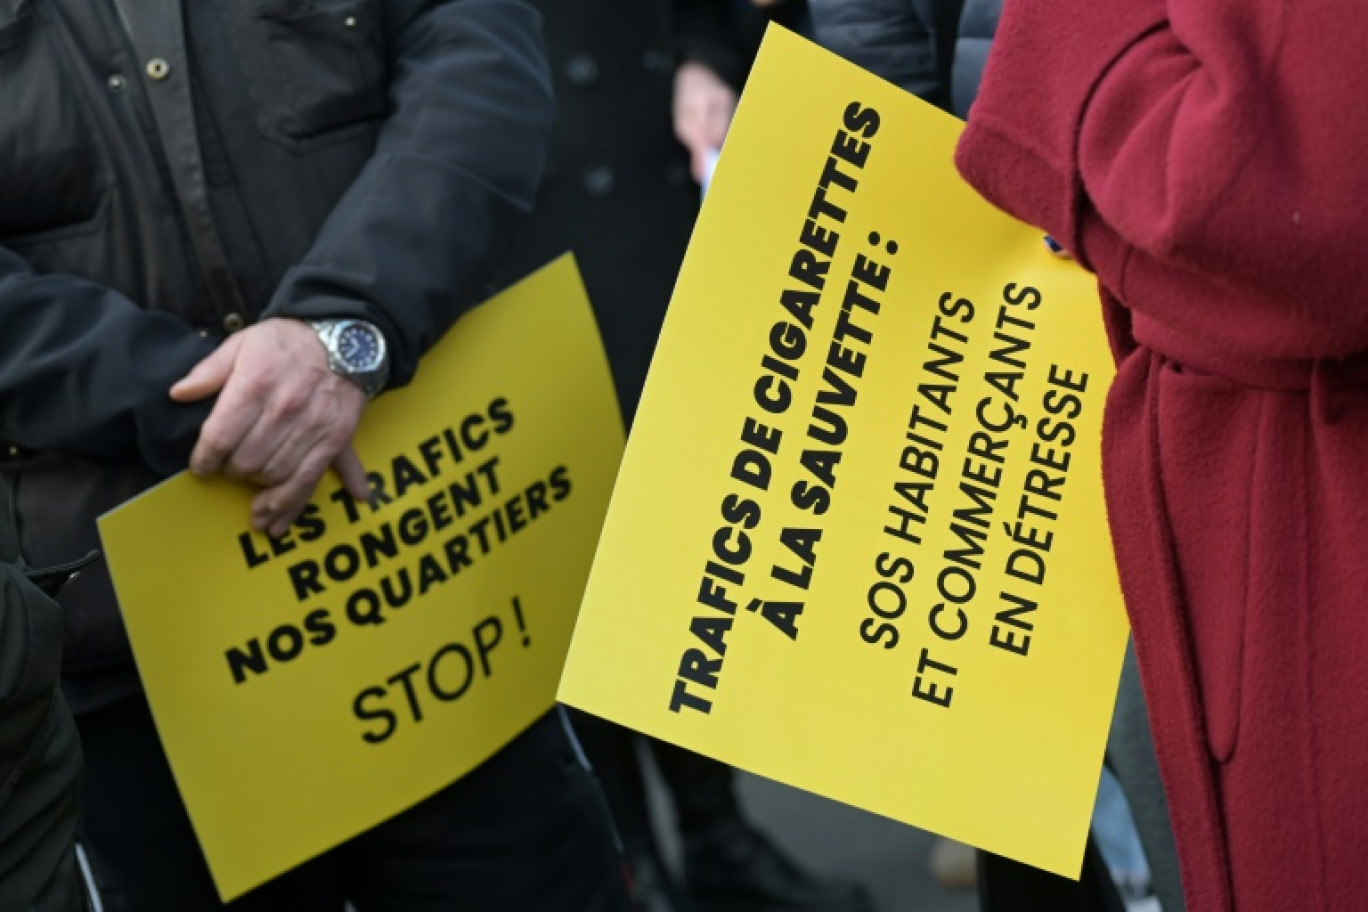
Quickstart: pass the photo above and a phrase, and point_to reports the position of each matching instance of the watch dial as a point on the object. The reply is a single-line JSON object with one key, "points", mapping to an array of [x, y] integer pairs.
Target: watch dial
{"points": [[358, 348]]}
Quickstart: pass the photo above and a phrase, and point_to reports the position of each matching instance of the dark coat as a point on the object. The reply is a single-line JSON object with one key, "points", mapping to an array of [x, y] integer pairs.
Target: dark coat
{"points": [[1205, 160], [40, 755], [172, 170], [617, 189], [911, 43], [935, 49], [973, 40]]}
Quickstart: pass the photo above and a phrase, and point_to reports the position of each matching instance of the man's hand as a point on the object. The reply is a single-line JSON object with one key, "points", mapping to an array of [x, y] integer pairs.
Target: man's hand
{"points": [[703, 110], [281, 419]]}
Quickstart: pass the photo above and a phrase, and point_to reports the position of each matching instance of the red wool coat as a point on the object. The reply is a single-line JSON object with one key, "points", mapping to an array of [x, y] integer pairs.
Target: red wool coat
{"points": [[1208, 159]]}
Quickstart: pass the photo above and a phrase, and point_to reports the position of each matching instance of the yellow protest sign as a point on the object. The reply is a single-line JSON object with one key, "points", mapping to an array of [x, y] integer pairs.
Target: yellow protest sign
{"points": [[858, 542], [309, 687]]}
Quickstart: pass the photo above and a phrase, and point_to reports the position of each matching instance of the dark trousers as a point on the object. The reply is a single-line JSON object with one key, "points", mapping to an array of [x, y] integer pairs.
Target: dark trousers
{"points": [[525, 831], [702, 790], [1010, 886]]}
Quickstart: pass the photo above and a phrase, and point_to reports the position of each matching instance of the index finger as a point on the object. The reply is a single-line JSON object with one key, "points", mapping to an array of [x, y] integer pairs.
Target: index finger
{"points": [[232, 417]]}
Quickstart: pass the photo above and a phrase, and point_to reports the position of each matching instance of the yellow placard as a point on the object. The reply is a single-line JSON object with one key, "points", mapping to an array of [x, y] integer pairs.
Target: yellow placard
{"points": [[858, 542], [309, 687]]}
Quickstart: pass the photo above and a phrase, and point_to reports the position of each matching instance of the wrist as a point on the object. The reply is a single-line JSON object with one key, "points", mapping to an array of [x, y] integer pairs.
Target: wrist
{"points": [[356, 351]]}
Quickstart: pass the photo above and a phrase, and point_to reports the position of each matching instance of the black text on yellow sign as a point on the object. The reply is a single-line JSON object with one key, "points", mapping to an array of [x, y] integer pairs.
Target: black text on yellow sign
{"points": [[886, 574], [380, 649]]}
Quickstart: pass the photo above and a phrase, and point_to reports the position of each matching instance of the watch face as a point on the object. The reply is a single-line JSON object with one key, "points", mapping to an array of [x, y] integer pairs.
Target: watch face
{"points": [[358, 347]]}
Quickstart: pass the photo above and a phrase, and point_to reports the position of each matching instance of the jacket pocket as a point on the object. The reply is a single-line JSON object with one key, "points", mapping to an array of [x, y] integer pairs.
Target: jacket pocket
{"points": [[318, 66], [52, 174], [30, 649], [1210, 431], [40, 753]]}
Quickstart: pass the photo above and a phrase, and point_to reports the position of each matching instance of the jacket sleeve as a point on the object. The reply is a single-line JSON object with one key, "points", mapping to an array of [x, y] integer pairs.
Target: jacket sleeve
{"points": [[908, 42], [1212, 139], [84, 370], [413, 242]]}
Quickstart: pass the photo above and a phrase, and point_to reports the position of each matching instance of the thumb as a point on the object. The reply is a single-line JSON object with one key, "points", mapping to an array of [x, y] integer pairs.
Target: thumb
{"points": [[207, 377]]}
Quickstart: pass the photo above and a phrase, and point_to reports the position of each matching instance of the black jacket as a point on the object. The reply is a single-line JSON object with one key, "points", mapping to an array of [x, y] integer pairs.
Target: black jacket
{"points": [[974, 39], [911, 43], [173, 170], [40, 754]]}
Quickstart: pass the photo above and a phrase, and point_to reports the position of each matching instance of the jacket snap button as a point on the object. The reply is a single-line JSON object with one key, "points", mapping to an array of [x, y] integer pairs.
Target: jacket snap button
{"points": [[116, 83], [657, 61], [599, 181], [234, 322], [581, 70], [158, 69]]}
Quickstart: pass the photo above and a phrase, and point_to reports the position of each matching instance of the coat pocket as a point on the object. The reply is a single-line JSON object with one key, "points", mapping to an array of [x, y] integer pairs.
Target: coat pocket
{"points": [[1210, 430], [52, 174], [30, 650], [317, 66], [40, 753]]}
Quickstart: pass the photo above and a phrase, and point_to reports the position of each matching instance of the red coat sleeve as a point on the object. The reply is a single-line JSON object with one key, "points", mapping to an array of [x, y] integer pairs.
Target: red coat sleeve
{"points": [[1203, 156]]}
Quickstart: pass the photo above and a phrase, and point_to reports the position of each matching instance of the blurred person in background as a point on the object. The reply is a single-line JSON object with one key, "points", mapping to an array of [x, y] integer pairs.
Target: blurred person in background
{"points": [[646, 90], [1205, 161], [223, 227]]}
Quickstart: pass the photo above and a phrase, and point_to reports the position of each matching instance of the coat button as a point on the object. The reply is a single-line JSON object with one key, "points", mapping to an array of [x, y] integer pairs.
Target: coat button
{"points": [[116, 83], [581, 70], [599, 181], [158, 69], [14, 451], [657, 61], [233, 322]]}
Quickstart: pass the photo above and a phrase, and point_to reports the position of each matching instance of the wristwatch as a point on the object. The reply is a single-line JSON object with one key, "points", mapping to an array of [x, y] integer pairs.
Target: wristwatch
{"points": [[356, 351]]}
